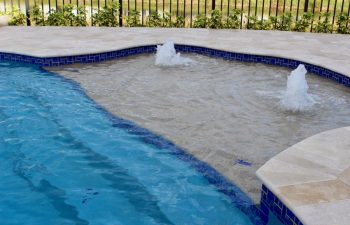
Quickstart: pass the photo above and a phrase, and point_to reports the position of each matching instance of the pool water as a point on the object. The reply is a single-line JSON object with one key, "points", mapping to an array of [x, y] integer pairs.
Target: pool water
{"points": [[226, 113], [63, 160]]}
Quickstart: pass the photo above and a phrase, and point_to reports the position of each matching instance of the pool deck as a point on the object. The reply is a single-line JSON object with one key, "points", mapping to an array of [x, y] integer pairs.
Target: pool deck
{"points": [[329, 51], [312, 178]]}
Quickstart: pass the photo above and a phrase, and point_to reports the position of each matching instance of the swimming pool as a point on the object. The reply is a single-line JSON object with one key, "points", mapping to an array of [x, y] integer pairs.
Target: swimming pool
{"points": [[226, 113], [64, 160]]}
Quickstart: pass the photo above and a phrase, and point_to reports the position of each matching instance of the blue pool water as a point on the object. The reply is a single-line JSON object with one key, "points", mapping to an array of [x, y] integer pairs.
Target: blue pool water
{"points": [[63, 160]]}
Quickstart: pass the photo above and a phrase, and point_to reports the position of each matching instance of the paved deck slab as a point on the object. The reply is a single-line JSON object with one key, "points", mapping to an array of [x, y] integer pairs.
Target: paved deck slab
{"points": [[312, 178], [331, 51]]}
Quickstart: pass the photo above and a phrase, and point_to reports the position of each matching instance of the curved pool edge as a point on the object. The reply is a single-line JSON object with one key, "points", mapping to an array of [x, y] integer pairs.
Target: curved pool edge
{"points": [[214, 177], [309, 183], [144, 49], [328, 51]]}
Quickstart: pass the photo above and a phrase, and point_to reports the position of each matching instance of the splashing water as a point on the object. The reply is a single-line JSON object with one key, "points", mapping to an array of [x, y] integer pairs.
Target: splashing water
{"points": [[296, 97], [167, 56]]}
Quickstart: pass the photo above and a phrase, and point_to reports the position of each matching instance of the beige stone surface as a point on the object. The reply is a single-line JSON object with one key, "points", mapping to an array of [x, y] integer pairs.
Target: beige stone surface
{"points": [[330, 213], [316, 192], [328, 50], [345, 176], [312, 178]]}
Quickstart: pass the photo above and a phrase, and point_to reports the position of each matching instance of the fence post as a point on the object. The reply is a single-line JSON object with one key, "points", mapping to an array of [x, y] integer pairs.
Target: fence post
{"points": [[120, 13], [212, 4], [306, 5], [27, 12]]}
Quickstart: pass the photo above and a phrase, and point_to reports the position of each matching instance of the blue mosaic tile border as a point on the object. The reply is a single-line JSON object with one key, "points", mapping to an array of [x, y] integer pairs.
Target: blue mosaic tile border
{"points": [[99, 57], [87, 58], [271, 203], [270, 60]]}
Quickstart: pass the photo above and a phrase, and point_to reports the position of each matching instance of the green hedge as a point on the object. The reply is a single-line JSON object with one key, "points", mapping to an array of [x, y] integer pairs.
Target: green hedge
{"points": [[108, 16]]}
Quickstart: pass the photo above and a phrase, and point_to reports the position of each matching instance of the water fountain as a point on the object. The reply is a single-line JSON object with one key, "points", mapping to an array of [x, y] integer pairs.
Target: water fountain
{"points": [[167, 56], [296, 97]]}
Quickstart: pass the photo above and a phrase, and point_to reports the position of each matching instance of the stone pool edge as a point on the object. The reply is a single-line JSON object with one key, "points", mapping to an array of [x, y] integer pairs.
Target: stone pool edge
{"points": [[269, 200], [309, 182], [129, 51]]}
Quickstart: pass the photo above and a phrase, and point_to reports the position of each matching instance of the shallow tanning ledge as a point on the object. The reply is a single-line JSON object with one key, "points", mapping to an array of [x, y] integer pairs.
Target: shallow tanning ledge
{"points": [[309, 183]]}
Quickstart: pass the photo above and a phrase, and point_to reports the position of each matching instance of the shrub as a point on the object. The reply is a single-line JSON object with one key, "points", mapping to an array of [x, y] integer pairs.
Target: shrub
{"points": [[257, 24], [80, 17], [107, 16], [283, 22], [55, 18], [252, 23], [265, 24], [200, 22], [233, 20], [215, 20], [342, 20], [37, 17], [179, 22], [154, 20], [167, 22], [324, 25], [274, 22], [133, 19], [66, 16], [304, 23], [17, 17], [70, 15]]}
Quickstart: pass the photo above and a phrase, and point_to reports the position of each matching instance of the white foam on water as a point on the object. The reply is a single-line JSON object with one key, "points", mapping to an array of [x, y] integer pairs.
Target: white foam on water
{"points": [[296, 97], [166, 56]]}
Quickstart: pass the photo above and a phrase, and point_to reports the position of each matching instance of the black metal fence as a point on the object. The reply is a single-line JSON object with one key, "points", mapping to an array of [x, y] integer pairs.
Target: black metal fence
{"points": [[190, 9]]}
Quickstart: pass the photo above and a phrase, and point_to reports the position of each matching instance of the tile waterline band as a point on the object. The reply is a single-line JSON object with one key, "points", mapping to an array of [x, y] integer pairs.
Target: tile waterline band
{"points": [[227, 55]]}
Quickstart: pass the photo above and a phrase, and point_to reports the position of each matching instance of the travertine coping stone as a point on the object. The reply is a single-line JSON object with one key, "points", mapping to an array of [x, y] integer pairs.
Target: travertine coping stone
{"points": [[312, 178], [331, 51]]}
